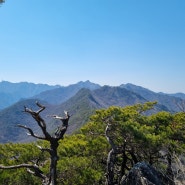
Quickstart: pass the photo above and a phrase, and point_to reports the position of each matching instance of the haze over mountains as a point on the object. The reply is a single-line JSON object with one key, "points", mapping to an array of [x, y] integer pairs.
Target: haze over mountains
{"points": [[80, 99], [13, 92]]}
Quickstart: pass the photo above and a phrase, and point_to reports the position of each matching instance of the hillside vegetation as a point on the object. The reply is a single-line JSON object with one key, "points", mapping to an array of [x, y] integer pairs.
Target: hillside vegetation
{"points": [[81, 100], [133, 135]]}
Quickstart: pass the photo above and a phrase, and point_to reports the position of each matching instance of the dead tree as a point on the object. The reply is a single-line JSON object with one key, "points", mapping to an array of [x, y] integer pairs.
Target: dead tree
{"points": [[111, 157], [114, 151], [54, 143], [115, 169]]}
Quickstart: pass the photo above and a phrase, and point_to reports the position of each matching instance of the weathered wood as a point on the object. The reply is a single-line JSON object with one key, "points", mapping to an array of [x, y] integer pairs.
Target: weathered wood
{"points": [[54, 143], [110, 158]]}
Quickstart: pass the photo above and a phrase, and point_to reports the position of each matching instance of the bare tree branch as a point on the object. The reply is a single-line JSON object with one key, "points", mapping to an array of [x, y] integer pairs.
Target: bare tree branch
{"points": [[41, 106], [38, 119], [31, 132], [51, 178], [19, 166], [35, 169], [44, 149]]}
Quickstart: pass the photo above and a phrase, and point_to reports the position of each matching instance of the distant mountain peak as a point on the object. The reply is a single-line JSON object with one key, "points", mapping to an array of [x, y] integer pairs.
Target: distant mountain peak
{"points": [[88, 84], [80, 99], [13, 92], [87, 81]]}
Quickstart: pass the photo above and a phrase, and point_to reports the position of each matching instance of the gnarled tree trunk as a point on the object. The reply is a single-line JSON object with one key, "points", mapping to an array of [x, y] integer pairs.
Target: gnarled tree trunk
{"points": [[54, 143]]}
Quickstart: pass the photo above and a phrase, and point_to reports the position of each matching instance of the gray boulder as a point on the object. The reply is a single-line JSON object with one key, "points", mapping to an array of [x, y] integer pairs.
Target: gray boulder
{"points": [[144, 174]]}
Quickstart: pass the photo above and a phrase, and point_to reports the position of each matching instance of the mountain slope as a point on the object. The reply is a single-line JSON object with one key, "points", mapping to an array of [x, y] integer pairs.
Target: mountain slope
{"points": [[171, 102], [81, 106], [85, 102], [62, 94], [12, 116], [13, 92], [178, 95], [108, 96]]}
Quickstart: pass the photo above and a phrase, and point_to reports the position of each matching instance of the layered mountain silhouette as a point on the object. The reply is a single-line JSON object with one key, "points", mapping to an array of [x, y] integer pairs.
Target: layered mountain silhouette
{"points": [[61, 94], [171, 101], [12, 92], [81, 100]]}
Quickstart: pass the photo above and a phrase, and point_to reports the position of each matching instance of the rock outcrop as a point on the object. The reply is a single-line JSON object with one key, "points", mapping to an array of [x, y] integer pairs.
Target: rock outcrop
{"points": [[144, 174]]}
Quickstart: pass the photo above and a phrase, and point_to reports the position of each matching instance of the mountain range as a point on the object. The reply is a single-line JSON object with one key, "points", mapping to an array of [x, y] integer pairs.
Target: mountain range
{"points": [[80, 99], [12, 92]]}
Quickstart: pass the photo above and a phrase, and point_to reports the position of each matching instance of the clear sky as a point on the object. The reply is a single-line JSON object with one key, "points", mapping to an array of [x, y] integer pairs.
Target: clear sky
{"points": [[109, 42]]}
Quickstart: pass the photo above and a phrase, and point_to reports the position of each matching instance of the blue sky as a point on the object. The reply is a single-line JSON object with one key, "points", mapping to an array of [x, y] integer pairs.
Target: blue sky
{"points": [[109, 42]]}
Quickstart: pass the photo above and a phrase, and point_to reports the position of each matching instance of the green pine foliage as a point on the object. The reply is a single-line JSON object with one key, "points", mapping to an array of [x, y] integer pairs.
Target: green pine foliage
{"points": [[80, 160], [13, 154], [83, 156]]}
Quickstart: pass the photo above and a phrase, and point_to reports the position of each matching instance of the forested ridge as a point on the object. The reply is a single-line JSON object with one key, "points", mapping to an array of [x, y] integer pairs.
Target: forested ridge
{"points": [[114, 137], [81, 102]]}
